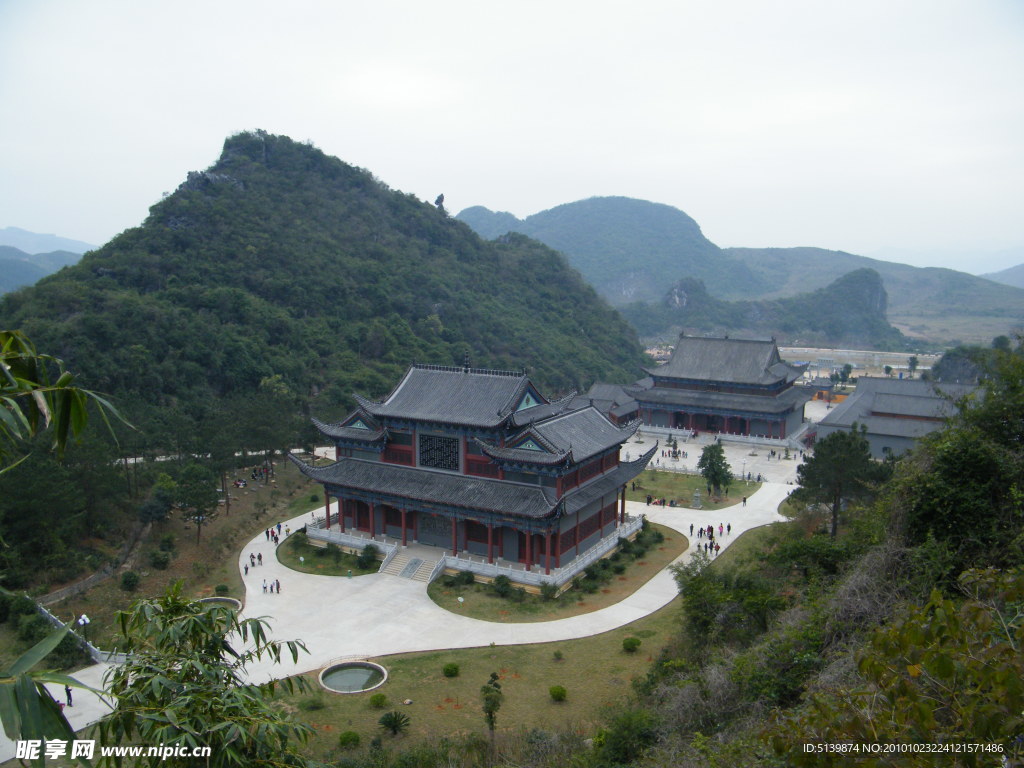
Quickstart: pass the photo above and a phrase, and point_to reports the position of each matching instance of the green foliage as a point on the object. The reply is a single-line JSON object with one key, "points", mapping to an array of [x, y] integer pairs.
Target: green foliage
{"points": [[501, 586], [129, 581], [367, 557], [282, 261], [348, 740], [631, 644], [463, 578], [6, 598], [222, 589], [944, 673], [184, 684], [841, 470], [27, 709], [714, 468], [37, 395], [626, 738], [394, 721], [159, 559], [492, 697], [548, 590], [32, 627], [557, 656], [451, 670], [558, 693], [378, 701]]}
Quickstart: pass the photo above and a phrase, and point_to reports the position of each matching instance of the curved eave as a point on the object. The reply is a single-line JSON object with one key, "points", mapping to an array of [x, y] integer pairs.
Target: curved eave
{"points": [[350, 434]]}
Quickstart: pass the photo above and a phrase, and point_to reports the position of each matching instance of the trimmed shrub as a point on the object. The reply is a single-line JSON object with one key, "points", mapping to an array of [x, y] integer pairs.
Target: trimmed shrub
{"points": [[451, 670], [160, 559], [630, 644], [619, 568], [348, 740], [502, 586], [464, 578], [518, 595], [316, 497], [129, 581], [378, 701], [167, 542], [557, 656], [221, 589], [558, 692], [548, 590], [367, 557]]}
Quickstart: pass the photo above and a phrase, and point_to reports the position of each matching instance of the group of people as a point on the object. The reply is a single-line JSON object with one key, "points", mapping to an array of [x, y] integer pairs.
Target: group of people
{"points": [[274, 586], [254, 560], [711, 546], [273, 533]]}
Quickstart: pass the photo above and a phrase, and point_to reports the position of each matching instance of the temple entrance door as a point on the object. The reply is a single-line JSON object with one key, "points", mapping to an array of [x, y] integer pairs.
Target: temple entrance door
{"points": [[361, 511], [679, 420]]}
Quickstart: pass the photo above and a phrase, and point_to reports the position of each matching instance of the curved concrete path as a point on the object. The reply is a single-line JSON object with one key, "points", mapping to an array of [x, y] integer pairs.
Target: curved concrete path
{"points": [[380, 614]]}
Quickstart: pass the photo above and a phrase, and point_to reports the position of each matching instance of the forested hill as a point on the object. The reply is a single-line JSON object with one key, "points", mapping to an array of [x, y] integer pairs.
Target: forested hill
{"points": [[631, 249], [280, 261], [625, 248], [852, 310]]}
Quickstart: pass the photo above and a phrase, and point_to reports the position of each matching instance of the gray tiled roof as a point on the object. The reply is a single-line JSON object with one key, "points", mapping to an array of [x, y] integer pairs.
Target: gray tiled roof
{"points": [[585, 432], [464, 396], [608, 483], [436, 487], [543, 411], [687, 398], [923, 405], [740, 361], [338, 432]]}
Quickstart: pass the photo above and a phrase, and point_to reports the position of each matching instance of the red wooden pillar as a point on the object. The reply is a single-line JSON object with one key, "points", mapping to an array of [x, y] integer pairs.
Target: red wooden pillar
{"points": [[337, 453], [455, 534], [558, 549], [547, 553], [529, 554], [373, 520], [415, 526], [622, 507], [403, 527], [341, 514], [327, 501], [782, 429], [490, 542]]}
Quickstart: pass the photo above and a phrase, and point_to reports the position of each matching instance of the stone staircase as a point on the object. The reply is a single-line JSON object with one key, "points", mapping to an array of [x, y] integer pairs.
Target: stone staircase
{"points": [[411, 565]]}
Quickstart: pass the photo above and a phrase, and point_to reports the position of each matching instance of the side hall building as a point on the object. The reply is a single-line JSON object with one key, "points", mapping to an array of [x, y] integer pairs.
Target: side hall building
{"points": [[729, 386], [479, 462]]}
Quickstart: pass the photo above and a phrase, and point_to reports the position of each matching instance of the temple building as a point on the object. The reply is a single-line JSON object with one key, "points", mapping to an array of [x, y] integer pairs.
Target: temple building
{"points": [[895, 413], [478, 463], [722, 385]]}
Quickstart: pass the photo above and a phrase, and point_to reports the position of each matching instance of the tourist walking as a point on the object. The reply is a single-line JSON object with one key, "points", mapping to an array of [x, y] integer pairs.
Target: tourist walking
{"points": [[259, 558], [264, 586], [67, 692]]}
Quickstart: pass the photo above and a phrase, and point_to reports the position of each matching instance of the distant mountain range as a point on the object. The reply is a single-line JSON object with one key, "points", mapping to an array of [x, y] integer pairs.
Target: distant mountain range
{"points": [[18, 268], [33, 242], [1013, 276], [636, 251]]}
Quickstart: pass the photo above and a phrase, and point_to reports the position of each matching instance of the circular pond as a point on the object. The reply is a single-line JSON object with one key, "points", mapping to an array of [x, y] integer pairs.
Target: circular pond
{"points": [[353, 676]]}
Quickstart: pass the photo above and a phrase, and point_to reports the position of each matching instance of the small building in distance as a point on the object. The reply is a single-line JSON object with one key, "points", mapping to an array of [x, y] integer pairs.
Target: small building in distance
{"points": [[896, 412], [479, 463], [723, 385]]}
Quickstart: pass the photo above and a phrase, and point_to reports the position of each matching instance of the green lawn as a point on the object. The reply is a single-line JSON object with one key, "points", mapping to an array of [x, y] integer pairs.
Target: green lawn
{"points": [[680, 486], [595, 670], [323, 561]]}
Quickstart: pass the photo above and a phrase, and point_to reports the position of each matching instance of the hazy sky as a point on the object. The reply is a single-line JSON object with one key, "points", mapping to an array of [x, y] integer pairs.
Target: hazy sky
{"points": [[861, 126]]}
